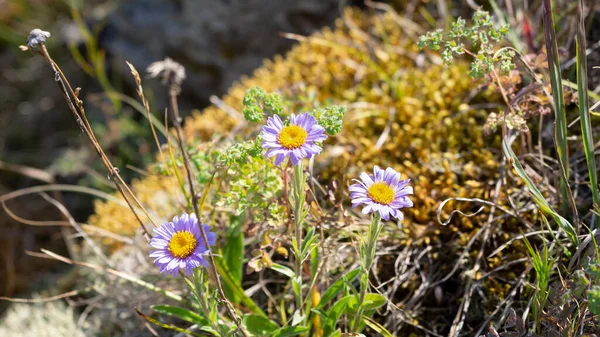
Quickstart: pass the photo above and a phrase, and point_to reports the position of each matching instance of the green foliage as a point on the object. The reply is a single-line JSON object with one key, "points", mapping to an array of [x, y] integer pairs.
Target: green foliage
{"points": [[590, 280], [186, 315], [241, 152], [338, 286], [236, 289], [538, 197], [543, 265], [482, 37], [164, 325], [249, 179], [253, 185], [593, 297], [257, 102], [330, 118], [290, 331]]}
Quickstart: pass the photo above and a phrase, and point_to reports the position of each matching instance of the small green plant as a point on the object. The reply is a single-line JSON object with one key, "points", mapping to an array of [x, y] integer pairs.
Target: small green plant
{"points": [[478, 40]]}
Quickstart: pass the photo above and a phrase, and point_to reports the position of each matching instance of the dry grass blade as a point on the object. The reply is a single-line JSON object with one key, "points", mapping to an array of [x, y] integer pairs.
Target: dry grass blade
{"points": [[481, 201], [33, 222], [40, 300], [46, 254], [28, 171], [140, 92], [64, 188], [76, 226]]}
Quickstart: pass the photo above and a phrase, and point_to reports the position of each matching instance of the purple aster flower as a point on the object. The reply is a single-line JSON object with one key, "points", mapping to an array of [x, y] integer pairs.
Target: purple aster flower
{"points": [[296, 140], [179, 244], [382, 192]]}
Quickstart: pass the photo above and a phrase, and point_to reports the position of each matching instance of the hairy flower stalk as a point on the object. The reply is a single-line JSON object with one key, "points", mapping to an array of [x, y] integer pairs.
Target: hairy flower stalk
{"points": [[367, 254], [298, 196], [383, 194], [297, 140]]}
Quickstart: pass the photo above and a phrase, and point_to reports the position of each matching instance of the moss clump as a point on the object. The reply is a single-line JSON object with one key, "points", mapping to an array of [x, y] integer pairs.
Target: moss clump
{"points": [[414, 119]]}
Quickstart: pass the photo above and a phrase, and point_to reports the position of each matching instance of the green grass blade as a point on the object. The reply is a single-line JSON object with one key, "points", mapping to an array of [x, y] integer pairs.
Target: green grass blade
{"points": [[377, 327], [560, 123], [584, 110], [569, 84], [166, 326], [537, 196]]}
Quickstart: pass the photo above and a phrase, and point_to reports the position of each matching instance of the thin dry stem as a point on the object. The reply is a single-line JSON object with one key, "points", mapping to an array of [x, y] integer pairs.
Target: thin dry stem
{"points": [[46, 254], [79, 114], [173, 92], [140, 92]]}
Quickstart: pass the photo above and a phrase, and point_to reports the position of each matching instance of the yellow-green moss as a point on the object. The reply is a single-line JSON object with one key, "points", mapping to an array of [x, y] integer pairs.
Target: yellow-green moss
{"points": [[368, 64], [434, 137]]}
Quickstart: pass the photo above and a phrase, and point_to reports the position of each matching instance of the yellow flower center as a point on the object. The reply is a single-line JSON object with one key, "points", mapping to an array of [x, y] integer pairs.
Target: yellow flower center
{"points": [[182, 244], [381, 193], [292, 137]]}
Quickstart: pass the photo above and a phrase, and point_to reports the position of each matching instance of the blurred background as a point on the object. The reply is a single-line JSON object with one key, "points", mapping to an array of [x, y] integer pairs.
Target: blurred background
{"points": [[216, 40]]}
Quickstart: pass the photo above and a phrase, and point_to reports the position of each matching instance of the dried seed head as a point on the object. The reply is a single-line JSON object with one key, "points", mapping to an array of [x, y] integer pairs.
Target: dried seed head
{"points": [[36, 38], [169, 70]]}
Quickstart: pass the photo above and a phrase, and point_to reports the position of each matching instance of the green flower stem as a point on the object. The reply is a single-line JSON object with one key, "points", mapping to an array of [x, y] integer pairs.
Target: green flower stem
{"points": [[298, 197], [367, 252]]}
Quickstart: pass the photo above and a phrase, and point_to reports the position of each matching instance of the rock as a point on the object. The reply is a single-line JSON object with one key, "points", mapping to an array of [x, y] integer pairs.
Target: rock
{"points": [[217, 41]]}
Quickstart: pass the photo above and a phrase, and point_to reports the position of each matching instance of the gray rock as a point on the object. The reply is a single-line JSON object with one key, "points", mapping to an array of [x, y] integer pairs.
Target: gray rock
{"points": [[216, 40]]}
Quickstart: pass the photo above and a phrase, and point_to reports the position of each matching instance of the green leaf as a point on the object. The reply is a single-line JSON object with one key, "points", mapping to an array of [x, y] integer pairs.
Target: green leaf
{"points": [[337, 287], [334, 314], [336, 333], [233, 253], [377, 327], [283, 270], [183, 313], [330, 118], [259, 325], [290, 331], [257, 101], [372, 302], [186, 315], [164, 325]]}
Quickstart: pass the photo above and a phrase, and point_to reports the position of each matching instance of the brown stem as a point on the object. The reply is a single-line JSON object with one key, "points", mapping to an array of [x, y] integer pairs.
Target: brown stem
{"points": [[173, 92], [79, 114]]}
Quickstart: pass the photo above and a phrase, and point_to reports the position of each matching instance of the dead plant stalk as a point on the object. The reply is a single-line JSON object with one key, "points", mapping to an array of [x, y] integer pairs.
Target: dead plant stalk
{"points": [[79, 113], [174, 90]]}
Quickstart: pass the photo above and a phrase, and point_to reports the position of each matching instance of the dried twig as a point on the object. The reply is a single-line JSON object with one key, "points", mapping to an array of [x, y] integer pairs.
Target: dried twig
{"points": [[36, 42]]}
